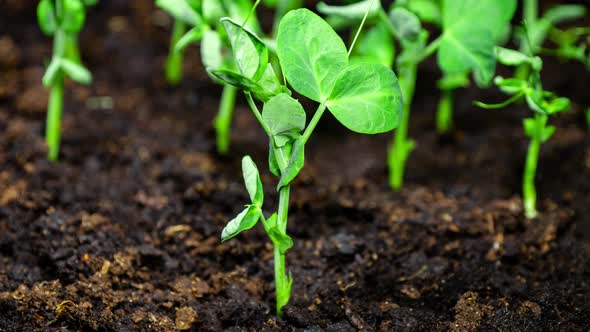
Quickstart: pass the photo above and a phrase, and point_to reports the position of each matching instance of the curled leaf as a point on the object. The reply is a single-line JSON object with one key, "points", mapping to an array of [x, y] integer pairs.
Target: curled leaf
{"points": [[243, 221], [252, 181]]}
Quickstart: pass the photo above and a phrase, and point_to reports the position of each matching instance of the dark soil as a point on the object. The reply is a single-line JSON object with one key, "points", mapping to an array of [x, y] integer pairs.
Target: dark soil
{"points": [[123, 233]]}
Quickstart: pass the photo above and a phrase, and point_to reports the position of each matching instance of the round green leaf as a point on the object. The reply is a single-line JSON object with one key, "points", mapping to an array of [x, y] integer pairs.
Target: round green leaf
{"points": [[73, 16], [46, 17], [312, 55], [367, 99], [284, 116]]}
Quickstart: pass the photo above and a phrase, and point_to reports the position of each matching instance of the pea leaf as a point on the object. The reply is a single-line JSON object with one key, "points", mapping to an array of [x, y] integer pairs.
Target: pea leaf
{"points": [[244, 83], [51, 72], [311, 53], [374, 46], [76, 71], [355, 11], [453, 81], [181, 10], [212, 11], [279, 239], [367, 99], [562, 13], [73, 16], [285, 117], [295, 165], [252, 181], [270, 82], [470, 30], [249, 51], [211, 51], [427, 10], [406, 24], [46, 17], [243, 221], [273, 165]]}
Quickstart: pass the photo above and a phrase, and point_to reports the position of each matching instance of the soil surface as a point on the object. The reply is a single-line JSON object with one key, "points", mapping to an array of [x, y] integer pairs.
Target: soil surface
{"points": [[123, 233]]}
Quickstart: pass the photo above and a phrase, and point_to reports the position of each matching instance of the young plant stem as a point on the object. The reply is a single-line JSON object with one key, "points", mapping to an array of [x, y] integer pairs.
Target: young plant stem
{"points": [[402, 146], [530, 14], [55, 106], [175, 59], [53, 124], [71, 48], [224, 117], [282, 281], [444, 114], [530, 169]]}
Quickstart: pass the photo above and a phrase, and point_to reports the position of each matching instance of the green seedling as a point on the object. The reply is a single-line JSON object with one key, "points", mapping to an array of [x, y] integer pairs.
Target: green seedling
{"points": [[542, 103], [62, 19], [538, 29], [470, 29], [198, 21], [364, 97]]}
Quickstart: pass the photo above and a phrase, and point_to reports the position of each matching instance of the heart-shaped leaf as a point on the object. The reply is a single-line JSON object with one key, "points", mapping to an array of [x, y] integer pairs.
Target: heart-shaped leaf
{"points": [[367, 99], [312, 55]]}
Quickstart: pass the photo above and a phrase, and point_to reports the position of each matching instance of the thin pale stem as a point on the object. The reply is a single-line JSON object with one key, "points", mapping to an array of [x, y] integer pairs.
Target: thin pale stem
{"points": [[175, 59], [358, 32], [224, 118], [402, 146], [314, 121], [53, 124], [530, 170], [257, 113], [444, 114]]}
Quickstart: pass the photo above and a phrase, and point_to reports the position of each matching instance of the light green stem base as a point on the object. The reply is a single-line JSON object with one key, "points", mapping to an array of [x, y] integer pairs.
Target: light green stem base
{"points": [[402, 146], [223, 119], [53, 124], [282, 281], [175, 59], [528, 180], [444, 114]]}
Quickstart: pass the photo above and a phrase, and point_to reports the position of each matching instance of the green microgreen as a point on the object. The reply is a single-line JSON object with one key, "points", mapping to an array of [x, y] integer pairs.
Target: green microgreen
{"points": [[543, 104], [469, 31], [539, 28], [63, 20], [364, 97], [199, 21]]}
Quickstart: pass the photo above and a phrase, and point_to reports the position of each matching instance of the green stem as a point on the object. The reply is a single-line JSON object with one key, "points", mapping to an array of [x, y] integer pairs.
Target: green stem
{"points": [[175, 59], [530, 169], [588, 118], [72, 51], [444, 114], [282, 281], [314, 121], [53, 124], [223, 119], [530, 11], [402, 146]]}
